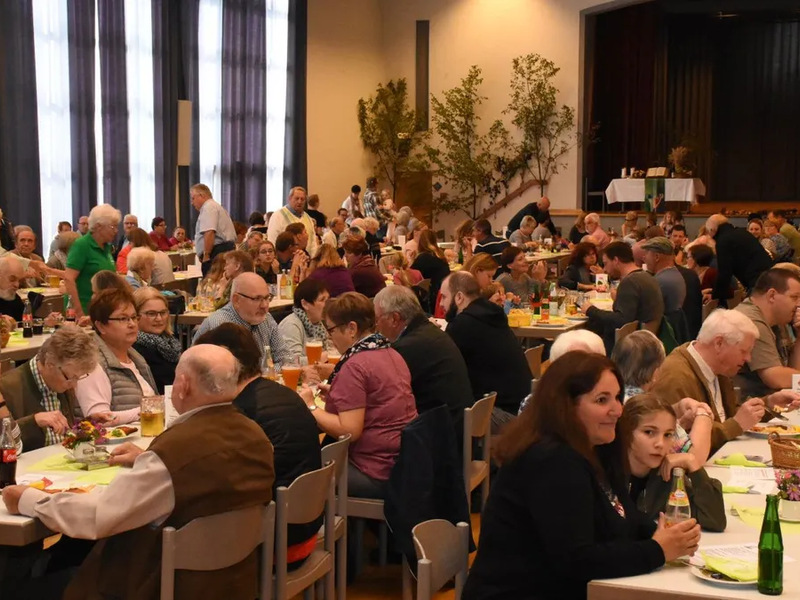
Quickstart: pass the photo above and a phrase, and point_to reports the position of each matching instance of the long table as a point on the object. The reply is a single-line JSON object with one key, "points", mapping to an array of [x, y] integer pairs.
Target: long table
{"points": [[674, 582]]}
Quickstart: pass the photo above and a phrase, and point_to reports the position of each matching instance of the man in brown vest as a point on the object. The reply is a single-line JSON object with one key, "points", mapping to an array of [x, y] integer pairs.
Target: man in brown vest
{"points": [[211, 460]]}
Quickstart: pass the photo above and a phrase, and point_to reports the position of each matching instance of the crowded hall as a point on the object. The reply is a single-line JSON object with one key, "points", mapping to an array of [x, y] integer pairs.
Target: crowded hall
{"points": [[377, 300]]}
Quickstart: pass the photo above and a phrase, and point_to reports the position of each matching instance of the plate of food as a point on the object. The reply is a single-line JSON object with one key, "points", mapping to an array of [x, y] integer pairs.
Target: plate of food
{"points": [[120, 434], [716, 578], [551, 322], [763, 430]]}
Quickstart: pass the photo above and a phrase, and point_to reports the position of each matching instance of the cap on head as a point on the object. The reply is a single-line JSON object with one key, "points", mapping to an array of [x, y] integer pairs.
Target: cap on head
{"points": [[661, 245]]}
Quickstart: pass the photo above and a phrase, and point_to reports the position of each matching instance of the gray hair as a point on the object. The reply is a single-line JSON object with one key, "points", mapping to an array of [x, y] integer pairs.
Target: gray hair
{"points": [[398, 299], [134, 217], [371, 222], [527, 221], [730, 325], [577, 339], [139, 257], [592, 218], [66, 239], [20, 228], [403, 218], [103, 214], [70, 345], [638, 356], [213, 378]]}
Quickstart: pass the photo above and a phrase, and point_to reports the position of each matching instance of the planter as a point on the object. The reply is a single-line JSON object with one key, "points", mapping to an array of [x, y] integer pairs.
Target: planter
{"points": [[789, 510], [83, 451]]}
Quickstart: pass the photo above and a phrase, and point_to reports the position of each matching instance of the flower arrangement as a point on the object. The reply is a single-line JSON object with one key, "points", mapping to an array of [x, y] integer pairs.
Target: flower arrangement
{"points": [[679, 159], [788, 484], [84, 432]]}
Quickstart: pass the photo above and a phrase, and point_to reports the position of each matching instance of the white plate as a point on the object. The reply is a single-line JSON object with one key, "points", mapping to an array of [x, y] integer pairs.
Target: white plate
{"points": [[697, 572], [116, 440], [764, 435], [577, 318]]}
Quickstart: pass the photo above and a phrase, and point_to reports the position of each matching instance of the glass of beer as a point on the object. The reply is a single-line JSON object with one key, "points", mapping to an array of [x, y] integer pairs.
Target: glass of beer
{"points": [[290, 370], [152, 415], [333, 357], [313, 350], [53, 281]]}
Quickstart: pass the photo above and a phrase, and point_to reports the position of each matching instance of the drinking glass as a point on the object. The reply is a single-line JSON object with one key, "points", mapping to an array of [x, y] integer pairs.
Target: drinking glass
{"points": [[313, 350], [291, 373], [152, 415], [53, 281]]}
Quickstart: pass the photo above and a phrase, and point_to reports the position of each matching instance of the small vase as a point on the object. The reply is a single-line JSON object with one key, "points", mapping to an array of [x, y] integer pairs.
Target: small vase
{"points": [[83, 451], [790, 510]]}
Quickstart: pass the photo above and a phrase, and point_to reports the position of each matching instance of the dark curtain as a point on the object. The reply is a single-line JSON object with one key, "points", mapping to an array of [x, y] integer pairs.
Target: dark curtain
{"points": [[244, 108], [188, 176], [116, 163], [20, 192], [295, 169], [82, 36]]}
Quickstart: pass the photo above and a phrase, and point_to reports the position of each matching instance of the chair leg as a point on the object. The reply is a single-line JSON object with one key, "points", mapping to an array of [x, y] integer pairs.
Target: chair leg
{"points": [[383, 544], [308, 593], [330, 584], [341, 568], [484, 492], [407, 580], [358, 545]]}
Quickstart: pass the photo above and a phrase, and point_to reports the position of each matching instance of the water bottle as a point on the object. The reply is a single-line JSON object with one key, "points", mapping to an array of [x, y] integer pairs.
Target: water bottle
{"points": [[678, 507]]}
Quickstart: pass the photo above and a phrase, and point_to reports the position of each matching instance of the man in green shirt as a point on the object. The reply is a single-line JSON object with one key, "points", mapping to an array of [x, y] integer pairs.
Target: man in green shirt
{"points": [[91, 254], [787, 229]]}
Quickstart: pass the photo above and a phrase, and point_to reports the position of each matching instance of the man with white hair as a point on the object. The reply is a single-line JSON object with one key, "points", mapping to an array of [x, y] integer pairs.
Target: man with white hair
{"points": [[214, 232], [539, 210], [249, 307], [211, 460], [129, 223], [331, 236], [703, 370], [294, 212], [594, 229], [11, 275], [439, 374], [739, 254], [577, 339]]}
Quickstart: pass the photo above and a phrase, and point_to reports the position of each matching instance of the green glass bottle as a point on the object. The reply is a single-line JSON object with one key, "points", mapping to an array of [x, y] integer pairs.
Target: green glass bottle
{"points": [[770, 551]]}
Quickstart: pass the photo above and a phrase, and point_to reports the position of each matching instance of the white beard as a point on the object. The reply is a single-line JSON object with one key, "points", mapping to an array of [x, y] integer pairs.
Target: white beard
{"points": [[7, 294]]}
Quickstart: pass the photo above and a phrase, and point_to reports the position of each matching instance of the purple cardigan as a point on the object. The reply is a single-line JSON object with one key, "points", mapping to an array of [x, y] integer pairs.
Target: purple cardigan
{"points": [[337, 279]]}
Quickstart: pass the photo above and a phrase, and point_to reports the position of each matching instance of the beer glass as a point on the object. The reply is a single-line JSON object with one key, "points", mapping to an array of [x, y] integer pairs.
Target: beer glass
{"points": [[290, 370], [152, 415], [313, 350]]}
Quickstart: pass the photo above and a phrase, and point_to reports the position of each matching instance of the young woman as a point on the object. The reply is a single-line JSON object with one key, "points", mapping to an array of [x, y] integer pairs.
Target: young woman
{"points": [[464, 241], [329, 267], [482, 267], [155, 341], [578, 229], [756, 228], [648, 426], [266, 262], [402, 274], [559, 513], [430, 261]]}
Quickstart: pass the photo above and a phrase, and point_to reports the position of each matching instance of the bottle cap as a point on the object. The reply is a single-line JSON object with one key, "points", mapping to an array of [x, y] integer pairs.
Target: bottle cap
{"points": [[677, 472]]}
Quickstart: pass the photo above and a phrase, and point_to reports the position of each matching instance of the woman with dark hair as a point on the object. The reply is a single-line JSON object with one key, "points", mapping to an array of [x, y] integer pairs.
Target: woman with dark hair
{"points": [[267, 264], [305, 322], [283, 416], [582, 265], [559, 514], [699, 260], [257, 222], [366, 276], [430, 261], [578, 229], [516, 280]]}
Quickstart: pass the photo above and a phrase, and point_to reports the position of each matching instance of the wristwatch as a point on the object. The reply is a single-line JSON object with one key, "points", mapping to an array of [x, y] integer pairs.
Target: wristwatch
{"points": [[312, 406]]}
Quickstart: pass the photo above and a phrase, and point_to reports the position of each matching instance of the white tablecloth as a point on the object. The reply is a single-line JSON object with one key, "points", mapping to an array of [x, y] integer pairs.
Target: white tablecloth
{"points": [[676, 190]]}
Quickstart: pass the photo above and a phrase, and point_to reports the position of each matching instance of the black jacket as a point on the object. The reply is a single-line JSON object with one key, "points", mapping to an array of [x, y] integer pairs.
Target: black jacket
{"points": [[163, 370], [573, 275], [292, 429], [427, 480], [492, 353], [693, 304], [434, 268], [740, 255], [532, 209], [549, 528]]}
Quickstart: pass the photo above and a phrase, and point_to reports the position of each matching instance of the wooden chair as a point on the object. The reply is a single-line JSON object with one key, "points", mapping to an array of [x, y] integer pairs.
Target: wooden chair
{"points": [[372, 510], [478, 424], [534, 358], [337, 454], [304, 500], [736, 300], [563, 263], [442, 554], [423, 292], [217, 542], [709, 307], [624, 331]]}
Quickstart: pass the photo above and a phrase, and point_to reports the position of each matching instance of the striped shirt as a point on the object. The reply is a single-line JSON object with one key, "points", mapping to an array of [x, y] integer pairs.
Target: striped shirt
{"points": [[50, 402], [265, 333], [371, 204], [492, 245]]}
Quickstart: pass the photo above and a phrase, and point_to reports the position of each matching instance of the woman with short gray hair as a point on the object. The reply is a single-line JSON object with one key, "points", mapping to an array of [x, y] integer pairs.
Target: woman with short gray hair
{"points": [[140, 267], [638, 357], [63, 244]]}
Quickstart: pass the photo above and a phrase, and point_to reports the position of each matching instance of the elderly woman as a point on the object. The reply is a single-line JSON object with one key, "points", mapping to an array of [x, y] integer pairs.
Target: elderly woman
{"points": [[64, 243], [162, 265], [236, 263], [179, 239], [367, 278], [155, 341], [305, 322], [90, 254], [267, 264], [582, 265], [783, 249], [40, 394], [116, 386], [140, 267], [329, 268], [108, 280], [368, 395]]}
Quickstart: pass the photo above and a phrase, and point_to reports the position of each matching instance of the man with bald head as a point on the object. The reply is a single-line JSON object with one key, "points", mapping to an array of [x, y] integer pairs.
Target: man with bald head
{"points": [[211, 460], [738, 256], [539, 210], [249, 307]]}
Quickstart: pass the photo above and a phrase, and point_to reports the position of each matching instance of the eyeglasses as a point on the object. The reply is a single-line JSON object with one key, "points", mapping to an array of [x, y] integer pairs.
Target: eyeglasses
{"points": [[73, 378], [330, 329], [125, 320], [256, 299], [152, 314]]}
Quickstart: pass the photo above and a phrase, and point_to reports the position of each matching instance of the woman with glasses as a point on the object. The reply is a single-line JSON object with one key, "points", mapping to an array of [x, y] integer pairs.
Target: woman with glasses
{"points": [[368, 395], [155, 341], [40, 393], [267, 264], [114, 390], [305, 321]]}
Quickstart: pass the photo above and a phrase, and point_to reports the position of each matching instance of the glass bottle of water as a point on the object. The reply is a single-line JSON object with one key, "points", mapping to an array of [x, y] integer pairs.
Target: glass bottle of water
{"points": [[678, 507]]}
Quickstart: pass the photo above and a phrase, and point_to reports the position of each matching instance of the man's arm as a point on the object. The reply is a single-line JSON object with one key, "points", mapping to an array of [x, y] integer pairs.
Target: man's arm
{"points": [[778, 378], [724, 274], [208, 244], [625, 308]]}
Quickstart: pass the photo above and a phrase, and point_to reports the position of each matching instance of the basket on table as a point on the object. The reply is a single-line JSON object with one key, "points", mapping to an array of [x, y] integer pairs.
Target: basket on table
{"points": [[785, 452]]}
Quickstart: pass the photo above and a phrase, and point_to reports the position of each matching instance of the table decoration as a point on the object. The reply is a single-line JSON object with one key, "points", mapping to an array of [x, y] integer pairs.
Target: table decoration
{"points": [[788, 482]]}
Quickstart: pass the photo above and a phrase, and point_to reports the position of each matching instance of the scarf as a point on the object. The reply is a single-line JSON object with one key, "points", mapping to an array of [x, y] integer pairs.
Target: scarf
{"points": [[167, 346], [374, 341], [317, 331]]}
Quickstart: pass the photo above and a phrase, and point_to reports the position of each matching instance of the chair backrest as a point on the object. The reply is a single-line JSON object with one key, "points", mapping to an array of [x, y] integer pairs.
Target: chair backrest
{"points": [[534, 358], [563, 263], [425, 284], [212, 543], [736, 300], [337, 454], [477, 423], [442, 553], [624, 331], [709, 307]]}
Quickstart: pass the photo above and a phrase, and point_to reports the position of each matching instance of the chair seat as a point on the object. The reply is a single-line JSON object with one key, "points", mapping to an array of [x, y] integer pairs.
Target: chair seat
{"points": [[339, 527], [478, 471], [365, 508], [317, 564]]}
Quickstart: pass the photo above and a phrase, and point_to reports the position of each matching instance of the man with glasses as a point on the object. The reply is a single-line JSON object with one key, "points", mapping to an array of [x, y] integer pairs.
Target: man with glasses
{"points": [[249, 307], [40, 393]]}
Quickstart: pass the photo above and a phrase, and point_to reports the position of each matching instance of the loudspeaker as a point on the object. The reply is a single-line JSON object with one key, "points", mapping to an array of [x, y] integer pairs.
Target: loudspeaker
{"points": [[184, 133]]}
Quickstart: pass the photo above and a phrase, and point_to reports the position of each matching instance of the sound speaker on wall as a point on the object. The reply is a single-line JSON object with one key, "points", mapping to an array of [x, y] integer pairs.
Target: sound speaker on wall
{"points": [[184, 133]]}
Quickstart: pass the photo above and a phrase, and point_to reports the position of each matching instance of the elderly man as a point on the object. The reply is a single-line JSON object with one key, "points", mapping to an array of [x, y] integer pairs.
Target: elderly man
{"points": [[40, 394], [83, 225], [211, 460], [703, 369], [25, 246], [660, 261], [595, 229], [331, 236], [249, 307], [11, 275], [293, 212], [214, 231], [539, 210], [438, 372], [739, 254], [773, 309], [786, 229], [523, 237], [129, 223], [494, 358]]}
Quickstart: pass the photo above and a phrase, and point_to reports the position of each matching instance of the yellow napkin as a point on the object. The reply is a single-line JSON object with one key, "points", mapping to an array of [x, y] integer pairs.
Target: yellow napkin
{"points": [[100, 476], [735, 489], [755, 517], [737, 569], [60, 462], [738, 460]]}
